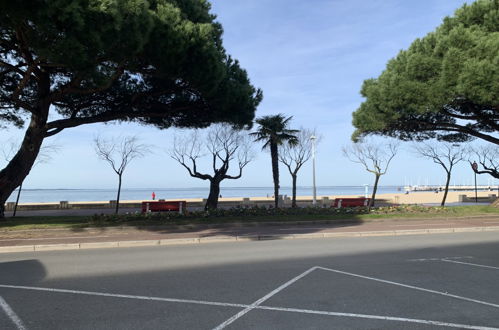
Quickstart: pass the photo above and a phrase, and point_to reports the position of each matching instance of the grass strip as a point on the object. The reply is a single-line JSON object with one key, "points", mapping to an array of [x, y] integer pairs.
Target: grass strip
{"points": [[226, 217]]}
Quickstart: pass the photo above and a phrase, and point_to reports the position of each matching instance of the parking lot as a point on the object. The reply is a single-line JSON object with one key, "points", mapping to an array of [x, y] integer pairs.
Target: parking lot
{"points": [[412, 282]]}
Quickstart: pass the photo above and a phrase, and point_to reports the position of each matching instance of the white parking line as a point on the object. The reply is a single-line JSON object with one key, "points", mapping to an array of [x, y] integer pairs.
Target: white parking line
{"points": [[411, 287], [11, 314], [440, 259], [377, 317], [126, 296], [261, 300], [470, 264], [255, 305]]}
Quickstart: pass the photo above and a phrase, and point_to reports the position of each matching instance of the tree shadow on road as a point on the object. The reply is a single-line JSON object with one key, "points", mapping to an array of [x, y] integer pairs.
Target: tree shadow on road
{"points": [[253, 230], [137, 227]]}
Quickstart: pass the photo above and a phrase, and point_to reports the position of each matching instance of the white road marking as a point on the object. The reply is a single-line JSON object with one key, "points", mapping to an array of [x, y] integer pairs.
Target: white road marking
{"points": [[412, 287], [114, 295], [491, 222], [377, 317], [261, 300], [470, 264], [440, 259], [11, 314], [21, 326]]}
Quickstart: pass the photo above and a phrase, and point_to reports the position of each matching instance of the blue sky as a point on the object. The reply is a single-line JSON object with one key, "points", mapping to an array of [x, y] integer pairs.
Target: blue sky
{"points": [[310, 58]]}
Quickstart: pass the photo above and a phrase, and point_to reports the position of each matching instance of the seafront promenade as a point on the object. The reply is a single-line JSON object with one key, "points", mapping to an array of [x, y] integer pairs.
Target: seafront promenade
{"points": [[130, 236], [89, 208]]}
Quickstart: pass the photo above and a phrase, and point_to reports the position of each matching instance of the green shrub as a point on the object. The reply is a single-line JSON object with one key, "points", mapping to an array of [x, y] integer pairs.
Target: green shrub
{"points": [[266, 214], [238, 212]]}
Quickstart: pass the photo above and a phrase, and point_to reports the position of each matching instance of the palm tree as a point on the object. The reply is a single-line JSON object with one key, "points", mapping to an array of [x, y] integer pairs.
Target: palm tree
{"points": [[274, 131]]}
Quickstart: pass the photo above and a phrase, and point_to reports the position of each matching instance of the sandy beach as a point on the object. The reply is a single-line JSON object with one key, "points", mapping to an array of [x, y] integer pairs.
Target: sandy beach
{"points": [[426, 197]]}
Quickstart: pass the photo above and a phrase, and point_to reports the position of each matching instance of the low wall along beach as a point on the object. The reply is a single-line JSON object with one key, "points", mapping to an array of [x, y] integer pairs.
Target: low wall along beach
{"points": [[302, 201]]}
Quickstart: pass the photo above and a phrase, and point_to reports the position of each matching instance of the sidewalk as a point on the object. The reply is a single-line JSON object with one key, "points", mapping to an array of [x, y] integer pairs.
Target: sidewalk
{"points": [[63, 239]]}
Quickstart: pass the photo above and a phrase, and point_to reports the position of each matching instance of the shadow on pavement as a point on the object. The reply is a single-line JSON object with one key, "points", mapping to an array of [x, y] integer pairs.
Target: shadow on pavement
{"points": [[27, 271], [249, 230], [277, 229], [243, 273]]}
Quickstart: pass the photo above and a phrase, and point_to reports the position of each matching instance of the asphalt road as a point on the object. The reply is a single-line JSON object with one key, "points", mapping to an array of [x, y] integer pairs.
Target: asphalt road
{"points": [[410, 282]]}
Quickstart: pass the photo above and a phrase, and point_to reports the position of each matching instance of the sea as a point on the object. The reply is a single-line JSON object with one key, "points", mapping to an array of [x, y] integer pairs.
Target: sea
{"points": [[83, 195]]}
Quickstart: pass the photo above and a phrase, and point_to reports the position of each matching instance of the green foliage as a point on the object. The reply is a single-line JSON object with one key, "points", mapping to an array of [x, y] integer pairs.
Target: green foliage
{"points": [[252, 213], [286, 214], [158, 62], [410, 209], [446, 85], [273, 130]]}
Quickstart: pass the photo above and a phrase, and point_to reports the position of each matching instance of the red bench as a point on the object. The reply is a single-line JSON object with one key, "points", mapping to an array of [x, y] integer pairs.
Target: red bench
{"points": [[351, 202], [161, 206]]}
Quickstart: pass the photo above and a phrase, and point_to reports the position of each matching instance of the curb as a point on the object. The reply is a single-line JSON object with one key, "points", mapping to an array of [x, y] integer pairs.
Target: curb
{"points": [[222, 239]]}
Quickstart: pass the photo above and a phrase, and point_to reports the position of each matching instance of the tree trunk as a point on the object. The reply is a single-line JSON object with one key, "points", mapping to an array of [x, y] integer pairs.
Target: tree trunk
{"points": [[446, 189], [118, 196], [19, 167], [375, 188], [17, 199], [275, 171], [293, 202], [212, 201]]}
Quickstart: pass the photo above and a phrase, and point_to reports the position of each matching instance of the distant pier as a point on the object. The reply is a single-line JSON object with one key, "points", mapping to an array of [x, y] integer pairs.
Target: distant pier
{"points": [[451, 188]]}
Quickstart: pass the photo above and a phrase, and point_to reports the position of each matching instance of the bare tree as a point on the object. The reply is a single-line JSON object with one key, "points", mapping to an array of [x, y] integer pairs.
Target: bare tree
{"points": [[295, 155], [445, 154], [45, 155], [223, 144], [488, 159], [119, 153], [374, 157]]}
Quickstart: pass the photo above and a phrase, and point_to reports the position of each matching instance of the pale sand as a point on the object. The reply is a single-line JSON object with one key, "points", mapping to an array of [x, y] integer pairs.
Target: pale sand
{"points": [[397, 198], [432, 197], [401, 198]]}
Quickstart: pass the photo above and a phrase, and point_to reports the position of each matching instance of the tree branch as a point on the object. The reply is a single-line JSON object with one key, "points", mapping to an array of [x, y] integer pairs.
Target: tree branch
{"points": [[12, 68], [71, 87], [22, 84], [24, 49], [425, 126]]}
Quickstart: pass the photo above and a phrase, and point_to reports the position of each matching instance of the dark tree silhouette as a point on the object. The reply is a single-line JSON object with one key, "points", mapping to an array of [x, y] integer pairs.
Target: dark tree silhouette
{"points": [[69, 63], [488, 159], [44, 156], [119, 153], [294, 156], [444, 86], [273, 131], [374, 157], [446, 155], [224, 145]]}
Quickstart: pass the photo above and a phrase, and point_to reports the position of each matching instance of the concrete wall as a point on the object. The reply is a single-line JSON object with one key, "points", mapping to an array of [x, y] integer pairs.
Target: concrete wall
{"points": [[192, 204], [285, 201], [481, 199]]}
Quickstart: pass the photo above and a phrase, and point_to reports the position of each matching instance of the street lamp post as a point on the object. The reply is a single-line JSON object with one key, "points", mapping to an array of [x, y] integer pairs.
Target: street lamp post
{"points": [[475, 168], [314, 188]]}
